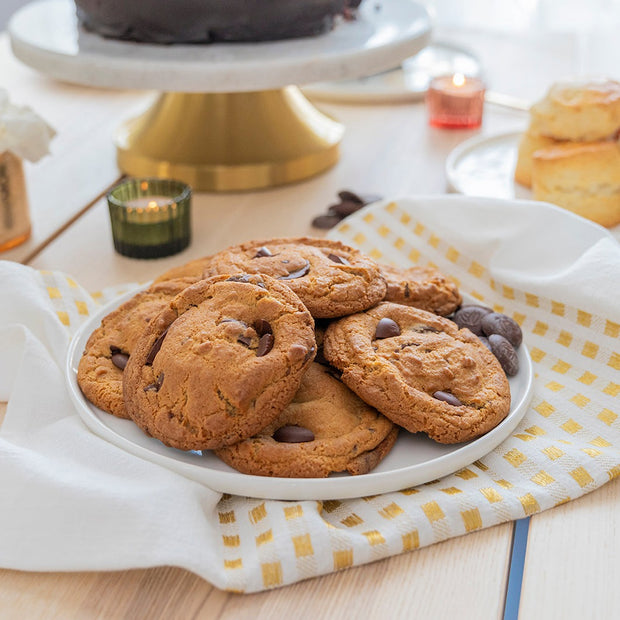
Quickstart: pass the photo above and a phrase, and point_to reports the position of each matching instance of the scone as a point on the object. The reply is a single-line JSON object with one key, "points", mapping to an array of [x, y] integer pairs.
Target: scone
{"points": [[529, 143], [325, 429], [578, 111], [331, 278], [584, 179], [421, 287], [421, 371], [220, 362], [101, 367]]}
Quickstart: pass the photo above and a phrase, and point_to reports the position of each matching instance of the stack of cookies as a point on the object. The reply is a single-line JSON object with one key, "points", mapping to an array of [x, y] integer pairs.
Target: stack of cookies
{"points": [[294, 358], [570, 154]]}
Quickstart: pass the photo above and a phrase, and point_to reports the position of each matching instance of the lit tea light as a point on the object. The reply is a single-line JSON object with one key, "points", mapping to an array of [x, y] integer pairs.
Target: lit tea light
{"points": [[150, 217], [455, 101]]}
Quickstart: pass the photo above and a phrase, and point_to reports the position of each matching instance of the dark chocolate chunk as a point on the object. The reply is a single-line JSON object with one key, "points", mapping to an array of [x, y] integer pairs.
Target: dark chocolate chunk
{"points": [[348, 195], [262, 251], [505, 354], [154, 387], [262, 327], [387, 328], [265, 344], [298, 273], [338, 259], [150, 358], [451, 399], [244, 340], [120, 360], [244, 278], [325, 221], [114, 349], [496, 323], [344, 208], [471, 318], [293, 434]]}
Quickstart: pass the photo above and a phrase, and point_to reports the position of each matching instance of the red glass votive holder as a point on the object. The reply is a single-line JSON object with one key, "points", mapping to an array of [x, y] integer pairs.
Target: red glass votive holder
{"points": [[455, 102]]}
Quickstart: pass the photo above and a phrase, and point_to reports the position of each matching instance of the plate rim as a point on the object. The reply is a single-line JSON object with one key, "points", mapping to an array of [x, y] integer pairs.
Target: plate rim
{"points": [[297, 489], [469, 145]]}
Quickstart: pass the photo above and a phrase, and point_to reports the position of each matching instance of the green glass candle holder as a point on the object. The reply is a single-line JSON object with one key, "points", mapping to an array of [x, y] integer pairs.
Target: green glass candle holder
{"points": [[150, 217]]}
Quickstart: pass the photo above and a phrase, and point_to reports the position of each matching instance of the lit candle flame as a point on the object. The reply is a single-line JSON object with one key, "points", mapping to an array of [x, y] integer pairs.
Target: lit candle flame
{"points": [[458, 79]]}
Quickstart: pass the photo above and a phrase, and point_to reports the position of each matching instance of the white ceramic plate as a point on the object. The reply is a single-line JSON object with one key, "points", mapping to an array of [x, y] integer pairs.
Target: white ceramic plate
{"points": [[407, 82], [415, 459], [484, 166], [45, 35]]}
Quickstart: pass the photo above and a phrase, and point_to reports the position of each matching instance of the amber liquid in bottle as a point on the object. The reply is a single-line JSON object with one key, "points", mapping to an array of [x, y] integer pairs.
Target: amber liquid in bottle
{"points": [[14, 212]]}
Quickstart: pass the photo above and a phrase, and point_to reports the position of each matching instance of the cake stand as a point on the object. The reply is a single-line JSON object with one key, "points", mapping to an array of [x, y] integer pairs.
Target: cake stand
{"points": [[230, 116]]}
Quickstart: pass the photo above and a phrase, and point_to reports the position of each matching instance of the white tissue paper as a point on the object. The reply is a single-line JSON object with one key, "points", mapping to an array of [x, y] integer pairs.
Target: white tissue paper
{"points": [[23, 131]]}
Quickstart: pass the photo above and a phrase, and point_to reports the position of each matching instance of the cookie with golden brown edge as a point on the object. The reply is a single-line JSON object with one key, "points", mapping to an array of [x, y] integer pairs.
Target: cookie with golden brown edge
{"points": [[332, 279], [100, 371], [420, 370], [220, 362], [326, 428], [421, 287]]}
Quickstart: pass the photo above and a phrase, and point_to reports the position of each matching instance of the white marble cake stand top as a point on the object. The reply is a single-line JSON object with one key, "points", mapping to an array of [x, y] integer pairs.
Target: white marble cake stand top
{"points": [[46, 36]]}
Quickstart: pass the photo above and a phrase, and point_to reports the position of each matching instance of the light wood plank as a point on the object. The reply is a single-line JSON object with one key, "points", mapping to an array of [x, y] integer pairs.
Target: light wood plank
{"points": [[572, 564], [462, 577]]}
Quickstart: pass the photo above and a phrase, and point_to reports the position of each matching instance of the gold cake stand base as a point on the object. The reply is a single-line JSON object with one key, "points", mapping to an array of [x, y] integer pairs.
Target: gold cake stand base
{"points": [[230, 141]]}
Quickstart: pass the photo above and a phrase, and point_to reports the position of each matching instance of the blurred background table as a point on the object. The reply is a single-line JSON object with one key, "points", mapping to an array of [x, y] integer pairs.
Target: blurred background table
{"points": [[570, 567]]}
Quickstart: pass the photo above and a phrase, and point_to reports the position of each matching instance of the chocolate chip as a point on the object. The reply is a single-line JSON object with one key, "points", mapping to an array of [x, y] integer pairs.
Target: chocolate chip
{"points": [[262, 327], [407, 291], [471, 318], [265, 344], [451, 399], [496, 323], [505, 354], [344, 208], [338, 259], [325, 221], [120, 360], [244, 340], [293, 275], [262, 251], [150, 358], [114, 349], [348, 195], [293, 434], [244, 278], [387, 328], [154, 387]]}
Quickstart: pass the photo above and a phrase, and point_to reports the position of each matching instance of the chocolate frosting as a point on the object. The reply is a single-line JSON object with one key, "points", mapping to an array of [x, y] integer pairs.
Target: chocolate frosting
{"points": [[205, 21]]}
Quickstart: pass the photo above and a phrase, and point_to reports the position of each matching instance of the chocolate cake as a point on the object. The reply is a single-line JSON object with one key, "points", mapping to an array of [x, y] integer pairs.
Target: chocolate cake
{"points": [[205, 21]]}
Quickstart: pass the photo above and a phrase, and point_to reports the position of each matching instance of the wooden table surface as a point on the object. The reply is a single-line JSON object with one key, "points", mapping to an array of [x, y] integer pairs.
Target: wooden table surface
{"points": [[571, 567]]}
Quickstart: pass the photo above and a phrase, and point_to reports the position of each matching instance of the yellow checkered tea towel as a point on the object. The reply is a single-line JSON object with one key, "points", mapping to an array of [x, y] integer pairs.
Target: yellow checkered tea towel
{"points": [[77, 502]]}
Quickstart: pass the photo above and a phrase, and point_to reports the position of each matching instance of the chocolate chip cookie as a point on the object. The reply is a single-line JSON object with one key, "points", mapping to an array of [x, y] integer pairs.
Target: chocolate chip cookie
{"points": [[420, 370], [100, 371], [331, 279], [421, 287], [220, 362], [326, 428]]}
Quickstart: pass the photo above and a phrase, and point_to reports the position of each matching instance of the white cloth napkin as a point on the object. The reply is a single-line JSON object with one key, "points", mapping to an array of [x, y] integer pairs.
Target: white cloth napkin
{"points": [[71, 501]]}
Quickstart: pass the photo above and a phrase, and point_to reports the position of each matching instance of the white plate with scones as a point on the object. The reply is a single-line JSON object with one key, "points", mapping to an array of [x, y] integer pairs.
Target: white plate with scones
{"points": [[414, 459]]}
